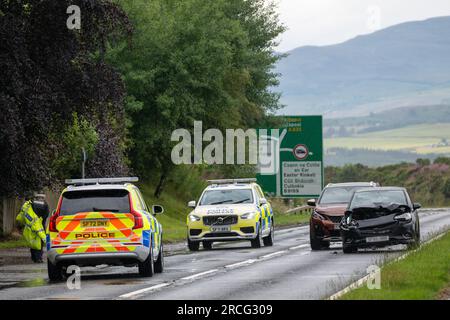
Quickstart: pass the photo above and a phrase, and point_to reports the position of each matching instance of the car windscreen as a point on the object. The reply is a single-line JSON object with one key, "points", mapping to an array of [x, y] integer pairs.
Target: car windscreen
{"points": [[378, 198], [114, 200], [338, 195], [234, 196]]}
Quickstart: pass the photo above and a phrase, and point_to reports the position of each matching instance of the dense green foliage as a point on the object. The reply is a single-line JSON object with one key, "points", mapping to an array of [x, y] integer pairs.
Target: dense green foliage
{"points": [[48, 73], [427, 183], [169, 62], [194, 60]]}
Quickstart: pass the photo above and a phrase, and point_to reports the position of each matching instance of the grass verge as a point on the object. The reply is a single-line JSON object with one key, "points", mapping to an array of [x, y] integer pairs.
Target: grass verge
{"points": [[12, 243], [420, 276]]}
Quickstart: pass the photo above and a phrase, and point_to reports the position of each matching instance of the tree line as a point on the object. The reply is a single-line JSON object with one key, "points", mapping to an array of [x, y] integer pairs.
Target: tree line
{"points": [[118, 87]]}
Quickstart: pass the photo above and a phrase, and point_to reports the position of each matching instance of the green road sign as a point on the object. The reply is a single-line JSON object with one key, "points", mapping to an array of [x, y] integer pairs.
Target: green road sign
{"points": [[292, 160]]}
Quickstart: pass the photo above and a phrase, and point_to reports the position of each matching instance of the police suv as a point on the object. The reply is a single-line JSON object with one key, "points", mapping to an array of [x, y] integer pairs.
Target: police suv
{"points": [[230, 210], [104, 221]]}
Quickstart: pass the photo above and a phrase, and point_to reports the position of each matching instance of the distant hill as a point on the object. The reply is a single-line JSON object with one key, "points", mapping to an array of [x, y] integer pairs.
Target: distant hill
{"points": [[403, 65]]}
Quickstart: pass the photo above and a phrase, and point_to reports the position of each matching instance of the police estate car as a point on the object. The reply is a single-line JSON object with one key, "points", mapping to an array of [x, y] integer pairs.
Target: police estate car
{"points": [[230, 210], [104, 221]]}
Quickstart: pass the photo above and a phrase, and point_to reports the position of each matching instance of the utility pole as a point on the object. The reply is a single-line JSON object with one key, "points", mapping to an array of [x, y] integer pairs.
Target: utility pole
{"points": [[84, 155]]}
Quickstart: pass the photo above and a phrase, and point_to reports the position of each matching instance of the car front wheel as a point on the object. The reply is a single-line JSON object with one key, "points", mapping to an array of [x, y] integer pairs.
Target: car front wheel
{"points": [[268, 241], [193, 245], [256, 243]]}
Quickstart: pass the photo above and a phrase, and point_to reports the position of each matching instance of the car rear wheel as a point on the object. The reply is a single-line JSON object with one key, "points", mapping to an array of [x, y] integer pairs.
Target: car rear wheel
{"points": [[193, 245], [55, 272], [268, 241], [159, 264], [146, 268], [207, 245], [256, 243]]}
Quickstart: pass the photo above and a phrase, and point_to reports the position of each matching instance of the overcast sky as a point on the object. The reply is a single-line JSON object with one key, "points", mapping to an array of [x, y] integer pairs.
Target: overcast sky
{"points": [[322, 22]]}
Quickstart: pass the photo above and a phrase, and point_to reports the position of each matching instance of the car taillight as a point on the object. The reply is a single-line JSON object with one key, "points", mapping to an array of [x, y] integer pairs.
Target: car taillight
{"points": [[138, 222], [54, 217]]}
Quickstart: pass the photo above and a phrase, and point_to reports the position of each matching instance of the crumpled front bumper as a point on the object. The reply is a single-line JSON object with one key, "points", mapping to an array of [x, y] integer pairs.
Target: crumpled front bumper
{"points": [[398, 233]]}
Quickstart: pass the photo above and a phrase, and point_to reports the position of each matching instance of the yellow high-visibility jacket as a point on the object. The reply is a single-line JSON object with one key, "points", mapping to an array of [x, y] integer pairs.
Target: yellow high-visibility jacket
{"points": [[34, 230]]}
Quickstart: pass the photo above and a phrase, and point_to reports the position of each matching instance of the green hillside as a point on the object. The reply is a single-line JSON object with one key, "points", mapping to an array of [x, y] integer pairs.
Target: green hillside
{"points": [[423, 139]]}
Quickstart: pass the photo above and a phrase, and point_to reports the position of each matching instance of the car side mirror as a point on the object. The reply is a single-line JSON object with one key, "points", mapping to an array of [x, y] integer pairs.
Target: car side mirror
{"points": [[192, 204], [262, 201], [417, 206], [156, 209], [311, 202]]}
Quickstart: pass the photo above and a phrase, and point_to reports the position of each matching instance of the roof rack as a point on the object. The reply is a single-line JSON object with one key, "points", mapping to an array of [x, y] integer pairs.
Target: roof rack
{"points": [[231, 181], [78, 182]]}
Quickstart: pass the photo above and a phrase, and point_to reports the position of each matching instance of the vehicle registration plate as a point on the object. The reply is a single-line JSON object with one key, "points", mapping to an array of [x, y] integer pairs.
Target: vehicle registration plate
{"points": [[94, 223], [220, 229], [337, 226], [377, 239]]}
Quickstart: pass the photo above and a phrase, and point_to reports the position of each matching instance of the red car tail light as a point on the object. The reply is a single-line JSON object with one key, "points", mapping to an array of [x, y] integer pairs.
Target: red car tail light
{"points": [[54, 217], [138, 221]]}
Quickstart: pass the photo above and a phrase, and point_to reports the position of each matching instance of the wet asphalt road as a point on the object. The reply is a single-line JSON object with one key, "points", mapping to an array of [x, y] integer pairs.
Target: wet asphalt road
{"points": [[288, 270]]}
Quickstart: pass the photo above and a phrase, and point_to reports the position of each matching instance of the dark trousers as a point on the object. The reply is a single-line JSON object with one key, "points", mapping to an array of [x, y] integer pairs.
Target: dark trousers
{"points": [[36, 255]]}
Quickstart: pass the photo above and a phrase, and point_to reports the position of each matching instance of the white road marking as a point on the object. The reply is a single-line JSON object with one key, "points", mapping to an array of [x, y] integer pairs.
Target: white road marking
{"points": [[299, 247], [142, 291], [239, 264], [201, 274], [267, 256]]}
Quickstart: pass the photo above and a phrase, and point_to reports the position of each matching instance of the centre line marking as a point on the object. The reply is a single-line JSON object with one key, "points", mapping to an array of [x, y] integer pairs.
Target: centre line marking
{"points": [[142, 291], [299, 247], [272, 254], [243, 263], [198, 275]]}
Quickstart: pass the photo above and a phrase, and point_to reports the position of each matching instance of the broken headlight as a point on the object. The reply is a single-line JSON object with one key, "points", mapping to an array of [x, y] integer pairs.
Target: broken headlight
{"points": [[403, 217]]}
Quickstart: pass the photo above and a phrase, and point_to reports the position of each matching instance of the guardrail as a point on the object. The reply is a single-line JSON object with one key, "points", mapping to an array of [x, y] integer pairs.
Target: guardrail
{"points": [[302, 209]]}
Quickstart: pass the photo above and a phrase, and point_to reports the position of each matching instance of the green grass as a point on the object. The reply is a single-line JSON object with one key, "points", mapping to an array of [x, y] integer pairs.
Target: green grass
{"points": [[420, 276], [418, 138], [282, 219], [12, 244]]}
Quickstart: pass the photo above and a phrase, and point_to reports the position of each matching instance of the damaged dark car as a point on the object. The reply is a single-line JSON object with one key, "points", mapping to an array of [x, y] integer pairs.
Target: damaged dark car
{"points": [[379, 217]]}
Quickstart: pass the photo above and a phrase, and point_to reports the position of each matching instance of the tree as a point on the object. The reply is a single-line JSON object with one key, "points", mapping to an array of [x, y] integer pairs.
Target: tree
{"points": [[194, 60], [48, 73]]}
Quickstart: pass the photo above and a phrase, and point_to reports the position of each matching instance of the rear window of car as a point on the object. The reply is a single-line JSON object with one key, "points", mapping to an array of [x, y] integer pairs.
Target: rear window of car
{"points": [[338, 194], [378, 198], [74, 202]]}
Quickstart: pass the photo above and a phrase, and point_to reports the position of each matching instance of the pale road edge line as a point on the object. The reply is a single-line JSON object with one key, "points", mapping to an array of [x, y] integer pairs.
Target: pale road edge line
{"points": [[360, 282]]}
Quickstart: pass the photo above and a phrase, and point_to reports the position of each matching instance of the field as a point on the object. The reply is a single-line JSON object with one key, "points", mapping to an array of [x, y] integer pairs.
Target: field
{"points": [[417, 138]]}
